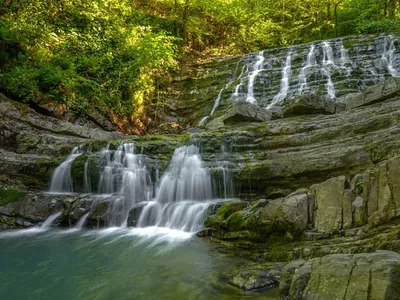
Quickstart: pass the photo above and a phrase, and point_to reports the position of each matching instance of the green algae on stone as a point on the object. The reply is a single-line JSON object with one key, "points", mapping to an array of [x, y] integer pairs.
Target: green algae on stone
{"points": [[8, 195]]}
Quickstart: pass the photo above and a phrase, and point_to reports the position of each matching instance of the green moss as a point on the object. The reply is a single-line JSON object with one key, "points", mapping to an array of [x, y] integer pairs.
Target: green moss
{"points": [[349, 44], [10, 195], [226, 209]]}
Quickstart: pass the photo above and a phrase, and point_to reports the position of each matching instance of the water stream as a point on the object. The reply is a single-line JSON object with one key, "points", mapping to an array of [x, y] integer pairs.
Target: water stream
{"points": [[330, 69]]}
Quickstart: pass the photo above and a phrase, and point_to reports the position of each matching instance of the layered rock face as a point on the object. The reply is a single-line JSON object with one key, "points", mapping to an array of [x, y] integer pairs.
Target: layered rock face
{"points": [[341, 276], [307, 138], [333, 206], [333, 70]]}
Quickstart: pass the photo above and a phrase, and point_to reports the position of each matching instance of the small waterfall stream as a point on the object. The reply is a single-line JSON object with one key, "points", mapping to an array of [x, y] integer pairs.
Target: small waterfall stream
{"points": [[256, 69], [330, 69], [61, 181], [286, 72], [304, 70], [50, 220]]}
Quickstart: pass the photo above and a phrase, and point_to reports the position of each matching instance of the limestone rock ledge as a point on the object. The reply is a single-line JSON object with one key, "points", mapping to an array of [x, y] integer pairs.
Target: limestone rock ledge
{"points": [[343, 276]]}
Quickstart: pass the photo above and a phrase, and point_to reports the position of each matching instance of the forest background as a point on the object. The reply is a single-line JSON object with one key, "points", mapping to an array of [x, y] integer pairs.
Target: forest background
{"points": [[118, 56]]}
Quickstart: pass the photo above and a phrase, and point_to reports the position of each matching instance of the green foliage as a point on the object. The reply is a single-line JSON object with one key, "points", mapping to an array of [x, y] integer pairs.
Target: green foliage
{"points": [[84, 54], [378, 26], [116, 55]]}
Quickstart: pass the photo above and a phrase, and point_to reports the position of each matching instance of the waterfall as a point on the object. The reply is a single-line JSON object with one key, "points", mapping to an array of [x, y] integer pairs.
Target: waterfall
{"points": [[286, 72], [240, 79], [82, 221], [304, 70], [257, 68], [328, 58], [330, 88], [216, 104], [328, 61], [218, 99], [183, 194], [50, 220], [223, 183], [183, 215], [344, 56], [388, 56], [126, 174], [87, 180], [61, 181], [186, 177]]}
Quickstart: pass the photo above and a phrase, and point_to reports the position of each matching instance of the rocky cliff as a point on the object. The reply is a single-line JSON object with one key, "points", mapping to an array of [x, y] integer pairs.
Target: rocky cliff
{"points": [[315, 174]]}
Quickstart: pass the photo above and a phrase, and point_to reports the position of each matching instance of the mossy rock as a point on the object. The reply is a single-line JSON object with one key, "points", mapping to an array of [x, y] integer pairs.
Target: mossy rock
{"points": [[226, 209], [10, 195]]}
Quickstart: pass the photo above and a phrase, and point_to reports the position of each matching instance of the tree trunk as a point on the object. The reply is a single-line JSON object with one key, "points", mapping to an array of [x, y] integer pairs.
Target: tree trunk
{"points": [[391, 8], [185, 18]]}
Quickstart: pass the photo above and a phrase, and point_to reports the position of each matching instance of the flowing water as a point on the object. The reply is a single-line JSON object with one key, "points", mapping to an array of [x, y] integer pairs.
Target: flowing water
{"points": [[256, 69], [330, 69], [115, 263], [61, 181]]}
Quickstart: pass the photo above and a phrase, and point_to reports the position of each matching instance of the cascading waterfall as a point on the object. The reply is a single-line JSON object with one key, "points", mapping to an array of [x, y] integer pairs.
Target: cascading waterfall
{"points": [[216, 104], [87, 180], [341, 69], [328, 62], [388, 56], [183, 194], [240, 79], [61, 181], [82, 221], [286, 72], [125, 173], [344, 56], [50, 220], [178, 200], [257, 68], [224, 185], [218, 99], [304, 70]]}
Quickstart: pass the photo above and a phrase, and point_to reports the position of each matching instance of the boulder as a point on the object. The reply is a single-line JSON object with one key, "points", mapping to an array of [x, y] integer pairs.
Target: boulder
{"points": [[333, 210], [308, 105], [343, 276], [27, 208], [240, 112], [134, 214], [376, 93], [257, 277], [283, 217]]}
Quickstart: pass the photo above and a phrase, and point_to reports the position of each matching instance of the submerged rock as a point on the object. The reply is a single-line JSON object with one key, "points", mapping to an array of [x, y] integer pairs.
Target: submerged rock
{"points": [[257, 277]]}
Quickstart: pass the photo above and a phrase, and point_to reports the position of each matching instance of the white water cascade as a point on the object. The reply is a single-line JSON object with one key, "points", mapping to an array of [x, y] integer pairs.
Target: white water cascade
{"points": [[328, 62], [216, 104], [50, 220], [240, 79], [126, 174], [252, 76], [286, 72], [218, 99], [82, 221], [388, 56], [304, 70], [183, 194], [177, 200], [61, 181]]}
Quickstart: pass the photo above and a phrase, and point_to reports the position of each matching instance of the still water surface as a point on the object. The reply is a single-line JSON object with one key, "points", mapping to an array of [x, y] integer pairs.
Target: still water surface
{"points": [[114, 263]]}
